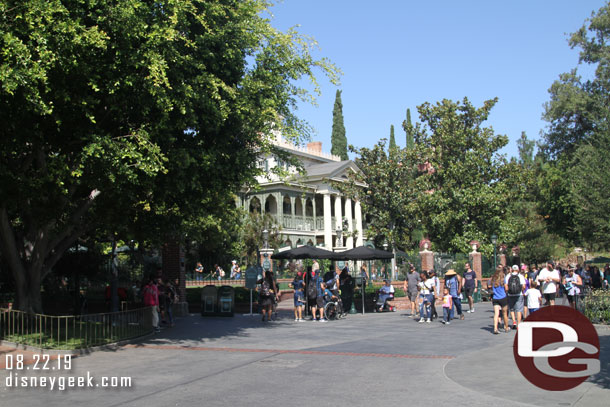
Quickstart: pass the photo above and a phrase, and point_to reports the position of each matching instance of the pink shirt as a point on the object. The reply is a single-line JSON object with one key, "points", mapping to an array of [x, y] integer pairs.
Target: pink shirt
{"points": [[151, 295], [447, 301]]}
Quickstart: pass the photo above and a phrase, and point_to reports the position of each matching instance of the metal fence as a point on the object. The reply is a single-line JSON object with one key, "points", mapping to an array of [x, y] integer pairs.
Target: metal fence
{"points": [[596, 306], [73, 332]]}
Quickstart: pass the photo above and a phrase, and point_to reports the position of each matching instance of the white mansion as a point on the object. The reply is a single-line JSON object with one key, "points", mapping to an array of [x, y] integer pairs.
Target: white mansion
{"points": [[307, 207]]}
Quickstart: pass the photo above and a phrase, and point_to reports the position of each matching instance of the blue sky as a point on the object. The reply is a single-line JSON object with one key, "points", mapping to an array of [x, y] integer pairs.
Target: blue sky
{"points": [[399, 54]]}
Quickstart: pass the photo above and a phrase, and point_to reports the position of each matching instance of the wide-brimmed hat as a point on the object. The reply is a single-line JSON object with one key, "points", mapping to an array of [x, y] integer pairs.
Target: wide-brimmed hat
{"points": [[450, 272]]}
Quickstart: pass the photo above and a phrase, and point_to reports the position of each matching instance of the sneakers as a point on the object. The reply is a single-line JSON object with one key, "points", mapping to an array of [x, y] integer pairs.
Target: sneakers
{"points": [[157, 329], [447, 323], [322, 320], [301, 320], [428, 320], [421, 320], [296, 320]]}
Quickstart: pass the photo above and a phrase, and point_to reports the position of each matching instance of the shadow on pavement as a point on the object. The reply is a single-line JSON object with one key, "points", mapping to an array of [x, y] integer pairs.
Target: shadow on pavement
{"points": [[602, 379]]}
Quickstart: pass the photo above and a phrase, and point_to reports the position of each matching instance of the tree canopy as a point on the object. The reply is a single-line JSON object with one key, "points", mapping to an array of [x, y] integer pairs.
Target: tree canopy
{"points": [[134, 117]]}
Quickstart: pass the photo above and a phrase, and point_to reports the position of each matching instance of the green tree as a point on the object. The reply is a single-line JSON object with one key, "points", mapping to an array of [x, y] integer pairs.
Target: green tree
{"points": [[387, 190], [133, 117], [574, 177], [408, 127], [392, 148], [467, 182], [526, 150], [589, 179], [338, 138]]}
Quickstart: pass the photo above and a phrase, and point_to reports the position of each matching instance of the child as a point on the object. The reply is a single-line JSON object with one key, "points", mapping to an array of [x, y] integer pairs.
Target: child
{"points": [[447, 306], [533, 297], [327, 295], [299, 304]]}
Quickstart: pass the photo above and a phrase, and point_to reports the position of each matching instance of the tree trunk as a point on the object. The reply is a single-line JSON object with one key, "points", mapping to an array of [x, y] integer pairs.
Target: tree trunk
{"points": [[27, 293]]}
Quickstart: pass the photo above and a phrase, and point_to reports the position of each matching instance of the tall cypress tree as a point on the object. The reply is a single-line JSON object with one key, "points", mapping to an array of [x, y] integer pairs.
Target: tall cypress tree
{"points": [[408, 126], [338, 138], [392, 139]]}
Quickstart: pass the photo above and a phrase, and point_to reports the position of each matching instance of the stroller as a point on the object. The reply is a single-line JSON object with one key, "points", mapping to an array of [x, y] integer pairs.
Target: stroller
{"points": [[382, 301]]}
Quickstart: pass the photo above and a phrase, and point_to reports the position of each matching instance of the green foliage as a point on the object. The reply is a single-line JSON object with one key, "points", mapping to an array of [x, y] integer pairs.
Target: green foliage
{"points": [[589, 179], [467, 182], [338, 138], [135, 119], [389, 195], [392, 147], [251, 235], [408, 127], [573, 184]]}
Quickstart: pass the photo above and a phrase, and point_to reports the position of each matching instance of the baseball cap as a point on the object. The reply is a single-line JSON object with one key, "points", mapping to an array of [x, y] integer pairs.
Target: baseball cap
{"points": [[515, 267], [551, 262]]}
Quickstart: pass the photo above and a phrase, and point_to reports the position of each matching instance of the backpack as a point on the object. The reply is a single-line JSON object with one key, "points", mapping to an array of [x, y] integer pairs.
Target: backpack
{"points": [[265, 289], [312, 289], [514, 284]]}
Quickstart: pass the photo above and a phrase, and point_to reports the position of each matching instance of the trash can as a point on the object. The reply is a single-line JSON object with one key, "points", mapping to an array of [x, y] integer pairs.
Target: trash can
{"points": [[209, 297], [226, 301]]}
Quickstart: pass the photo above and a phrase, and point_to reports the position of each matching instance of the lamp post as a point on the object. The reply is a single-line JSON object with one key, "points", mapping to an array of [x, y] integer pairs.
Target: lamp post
{"points": [[494, 240], [385, 247]]}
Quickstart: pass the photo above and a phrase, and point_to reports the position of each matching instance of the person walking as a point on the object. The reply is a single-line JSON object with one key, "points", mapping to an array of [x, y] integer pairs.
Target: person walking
{"points": [[572, 283], [515, 283], [447, 305], [151, 299], [454, 284], [266, 293], [436, 293], [470, 286], [500, 300], [411, 285], [426, 286], [548, 278]]}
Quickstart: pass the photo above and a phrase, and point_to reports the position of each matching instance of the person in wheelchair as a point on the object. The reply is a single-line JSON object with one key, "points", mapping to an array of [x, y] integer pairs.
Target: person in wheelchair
{"points": [[385, 294]]}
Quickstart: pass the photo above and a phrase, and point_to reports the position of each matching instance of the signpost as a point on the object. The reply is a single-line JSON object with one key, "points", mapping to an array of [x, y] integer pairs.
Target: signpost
{"points": [[252, 275]]}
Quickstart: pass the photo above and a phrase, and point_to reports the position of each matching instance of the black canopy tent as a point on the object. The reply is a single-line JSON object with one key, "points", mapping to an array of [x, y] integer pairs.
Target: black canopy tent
{"points": [[364, 253], [305, 252]]}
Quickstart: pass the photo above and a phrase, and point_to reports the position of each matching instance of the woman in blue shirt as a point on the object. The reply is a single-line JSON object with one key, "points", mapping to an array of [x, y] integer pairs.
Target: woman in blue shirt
{"points": [[500, 299]]}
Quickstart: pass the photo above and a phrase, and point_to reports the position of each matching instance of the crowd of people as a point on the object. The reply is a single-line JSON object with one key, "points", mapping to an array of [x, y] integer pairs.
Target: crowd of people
{"points": [[423, 289]]}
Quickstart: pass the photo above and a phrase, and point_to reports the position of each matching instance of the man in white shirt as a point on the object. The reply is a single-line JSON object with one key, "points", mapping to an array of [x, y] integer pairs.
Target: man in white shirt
{"points": [[548, 278]]}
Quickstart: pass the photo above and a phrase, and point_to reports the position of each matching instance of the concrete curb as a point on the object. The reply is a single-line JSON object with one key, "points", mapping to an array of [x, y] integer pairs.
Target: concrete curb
{"points": [[76, 352]]}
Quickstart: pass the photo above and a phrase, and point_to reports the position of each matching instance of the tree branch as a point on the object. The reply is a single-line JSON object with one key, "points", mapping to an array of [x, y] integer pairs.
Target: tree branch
{"points": [[74, 219]]}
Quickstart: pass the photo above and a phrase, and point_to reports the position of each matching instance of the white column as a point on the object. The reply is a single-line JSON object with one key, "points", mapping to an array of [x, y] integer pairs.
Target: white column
{"points": [[349, 242], [338, 211], [360, 238], [328, 236]]}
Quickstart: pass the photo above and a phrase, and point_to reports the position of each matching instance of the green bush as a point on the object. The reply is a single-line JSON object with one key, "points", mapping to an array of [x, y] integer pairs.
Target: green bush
{"points": [[597, 307]]}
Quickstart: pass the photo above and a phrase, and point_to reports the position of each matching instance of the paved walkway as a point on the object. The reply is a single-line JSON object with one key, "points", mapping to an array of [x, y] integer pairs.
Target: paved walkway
{"points": [[365, 360]]}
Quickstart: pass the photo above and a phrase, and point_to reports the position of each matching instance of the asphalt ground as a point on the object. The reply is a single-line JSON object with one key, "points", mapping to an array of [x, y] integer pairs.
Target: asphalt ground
{"points": [[364, 360]]}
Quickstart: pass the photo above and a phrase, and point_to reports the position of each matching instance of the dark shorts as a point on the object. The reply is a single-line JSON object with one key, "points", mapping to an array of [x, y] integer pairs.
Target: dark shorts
{"points": [[312, 302], [412, 295], [549, 297], [265, 301], [320, 302], [515, 303], [503, 302], [468, 291], [571, 298]]}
